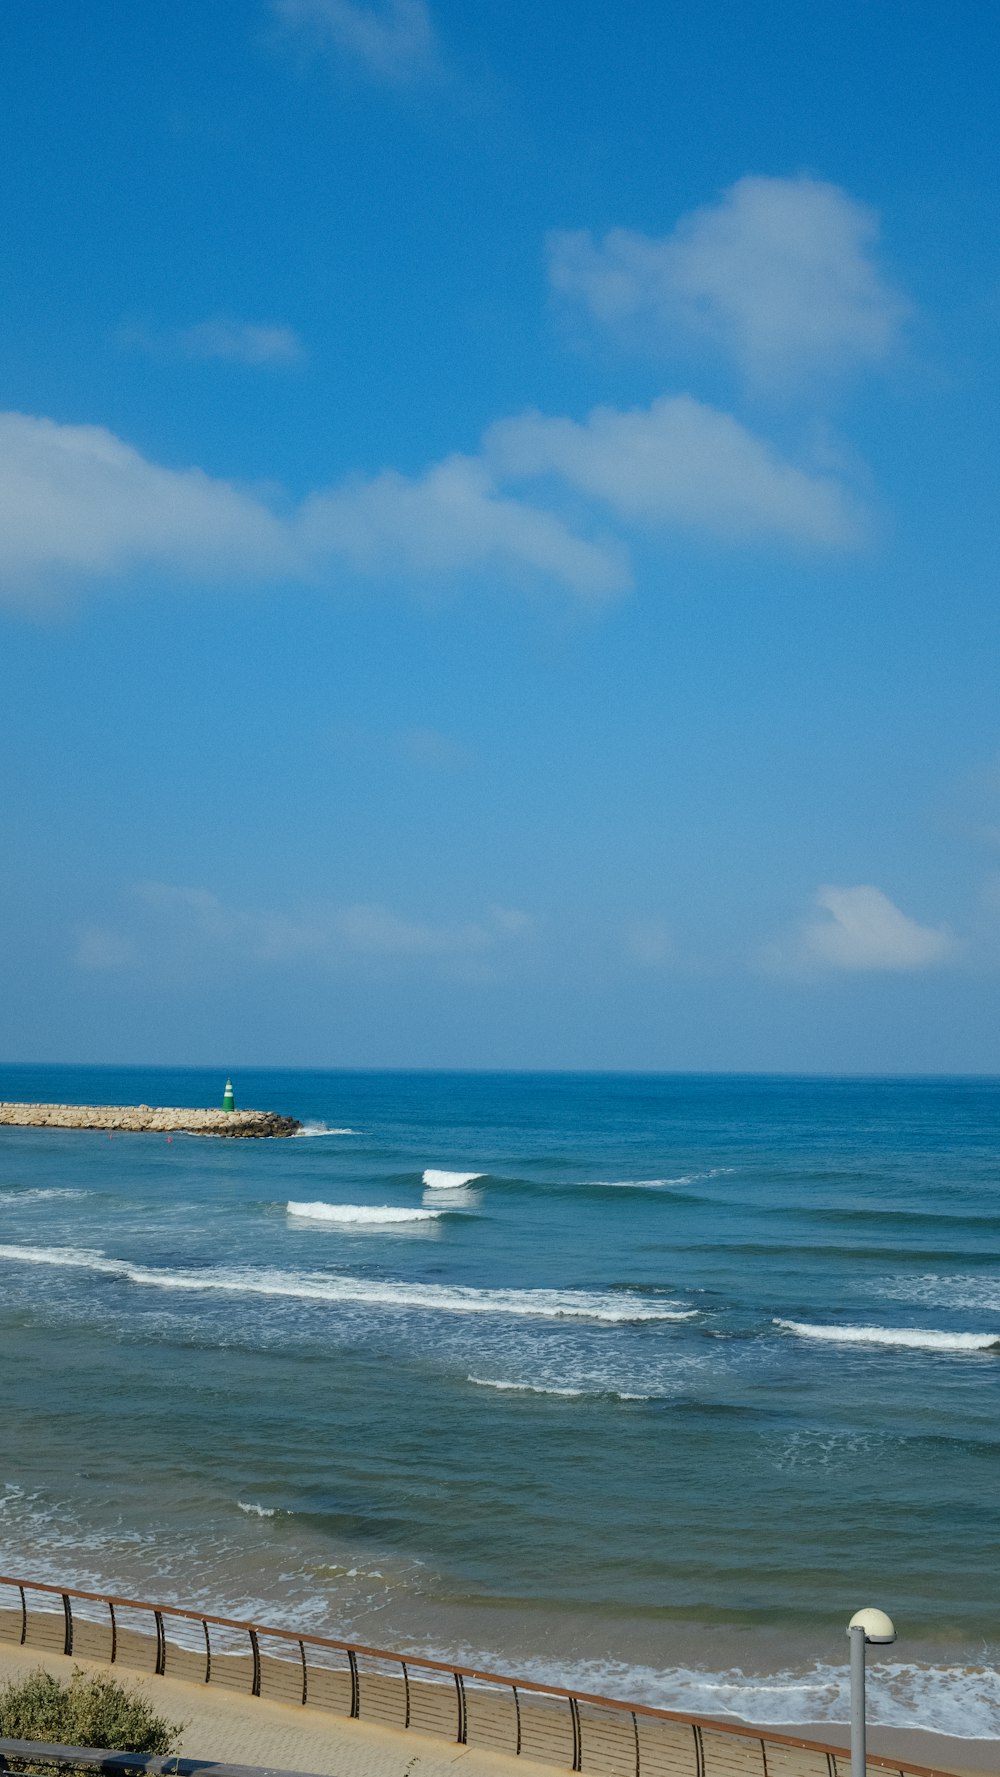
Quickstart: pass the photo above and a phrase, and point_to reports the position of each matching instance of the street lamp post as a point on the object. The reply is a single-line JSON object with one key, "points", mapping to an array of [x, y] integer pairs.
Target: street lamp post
{"points": [[866, 1627]]}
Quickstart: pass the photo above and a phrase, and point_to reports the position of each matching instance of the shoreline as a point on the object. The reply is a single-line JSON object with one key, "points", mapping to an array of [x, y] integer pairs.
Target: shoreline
{"points": [[917, 1746], [347, 1686], [148, 1119], [231, 1725]]}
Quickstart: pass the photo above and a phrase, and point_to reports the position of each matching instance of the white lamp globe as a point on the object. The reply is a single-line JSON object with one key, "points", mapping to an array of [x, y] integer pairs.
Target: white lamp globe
{"points": [[879, 1629]]}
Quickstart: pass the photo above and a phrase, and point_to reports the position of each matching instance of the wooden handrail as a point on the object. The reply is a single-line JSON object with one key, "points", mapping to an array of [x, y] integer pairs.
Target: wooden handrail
{"points": [[352, 1648]]}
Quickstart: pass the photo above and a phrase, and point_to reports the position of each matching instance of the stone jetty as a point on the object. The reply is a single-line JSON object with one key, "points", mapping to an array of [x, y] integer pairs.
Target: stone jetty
{"points": [[156, 1119]]}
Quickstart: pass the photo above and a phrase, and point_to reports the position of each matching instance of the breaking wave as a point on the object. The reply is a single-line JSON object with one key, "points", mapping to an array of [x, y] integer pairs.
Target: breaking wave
{"points": [[38, 1195], [914, 1338], [337, 1288], [255, 1511], [322, 1129], [449, 1181], [614, 1394], [358, 1215]]}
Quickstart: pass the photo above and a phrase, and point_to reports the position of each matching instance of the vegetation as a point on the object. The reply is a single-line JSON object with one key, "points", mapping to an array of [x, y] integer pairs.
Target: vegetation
{"points": [[89, 1710]]}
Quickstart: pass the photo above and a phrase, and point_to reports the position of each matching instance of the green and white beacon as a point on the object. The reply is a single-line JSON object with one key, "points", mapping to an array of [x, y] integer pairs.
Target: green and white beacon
{"points": [[228, 1101]]}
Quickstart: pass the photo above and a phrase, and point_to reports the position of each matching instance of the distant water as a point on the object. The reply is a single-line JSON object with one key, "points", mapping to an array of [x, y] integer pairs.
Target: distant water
{"points": [[644, 1383]]}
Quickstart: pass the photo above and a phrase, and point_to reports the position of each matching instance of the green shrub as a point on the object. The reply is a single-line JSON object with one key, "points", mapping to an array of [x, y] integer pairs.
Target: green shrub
{"points": [[90, 1710]]}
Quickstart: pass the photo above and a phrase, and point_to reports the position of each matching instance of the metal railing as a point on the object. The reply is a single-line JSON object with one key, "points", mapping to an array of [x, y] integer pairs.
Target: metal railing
{"points": [[595, 1735]]}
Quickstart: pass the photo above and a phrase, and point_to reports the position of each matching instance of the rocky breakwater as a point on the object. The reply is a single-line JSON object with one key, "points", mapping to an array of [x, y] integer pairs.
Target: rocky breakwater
{"points": [[156, 1119]]}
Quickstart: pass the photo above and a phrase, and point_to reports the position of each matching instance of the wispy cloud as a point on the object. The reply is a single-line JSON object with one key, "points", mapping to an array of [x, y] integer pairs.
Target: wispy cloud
{"points": [[392, 41], [430, 748], [222, 337], [101, 951], [167, 926], [859, 930], [650, 943], [781, 273]]}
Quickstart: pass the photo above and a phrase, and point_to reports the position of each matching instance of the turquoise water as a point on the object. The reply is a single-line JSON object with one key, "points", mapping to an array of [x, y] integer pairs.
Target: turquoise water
{"points": [[690, 1370]]}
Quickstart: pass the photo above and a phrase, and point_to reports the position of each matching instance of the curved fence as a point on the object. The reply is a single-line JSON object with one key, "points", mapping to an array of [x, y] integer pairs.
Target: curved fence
{"points": [[597, 1736]]}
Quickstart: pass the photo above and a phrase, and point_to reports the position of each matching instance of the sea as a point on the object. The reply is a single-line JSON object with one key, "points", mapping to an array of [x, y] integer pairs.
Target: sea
{"points": [[637, 1383]]}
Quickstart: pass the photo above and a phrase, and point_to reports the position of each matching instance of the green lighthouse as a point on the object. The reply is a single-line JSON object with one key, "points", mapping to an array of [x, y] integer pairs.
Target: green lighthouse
{"points": [[228, 1101]]}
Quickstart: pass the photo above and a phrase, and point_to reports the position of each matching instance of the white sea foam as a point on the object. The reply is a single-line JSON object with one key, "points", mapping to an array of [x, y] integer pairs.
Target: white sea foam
{"points": [[640, 1184], [522, 1387], [323, 1129], [449, 1181], [254, 1511], [545, 1388], [981, 1294], [963, 1701], [359, 1215], [659, 1184], [617, 1307], [914, 1338], [38, 1195]]}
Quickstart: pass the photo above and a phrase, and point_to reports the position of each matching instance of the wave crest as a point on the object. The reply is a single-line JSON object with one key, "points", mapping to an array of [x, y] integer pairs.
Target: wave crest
{"points": [[913, 1338], [607, 1394], [358, 1215], [36, 1194], [436, 1180], [339, 1288]]}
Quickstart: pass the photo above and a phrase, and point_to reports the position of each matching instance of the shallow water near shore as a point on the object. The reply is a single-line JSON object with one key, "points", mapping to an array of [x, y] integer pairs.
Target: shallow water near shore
{"points": [[641, 1383]]}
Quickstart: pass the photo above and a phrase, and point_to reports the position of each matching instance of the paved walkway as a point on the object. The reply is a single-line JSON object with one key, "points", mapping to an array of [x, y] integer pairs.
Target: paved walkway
{"points": [[240, 1730]]}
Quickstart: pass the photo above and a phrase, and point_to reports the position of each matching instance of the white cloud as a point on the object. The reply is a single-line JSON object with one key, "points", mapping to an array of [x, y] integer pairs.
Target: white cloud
{"points": [[451, 518], [261, 345], [780, 272], [393, 40], [170, 925], [242, 342], [678, 461], [860, 929], [77, 500]]}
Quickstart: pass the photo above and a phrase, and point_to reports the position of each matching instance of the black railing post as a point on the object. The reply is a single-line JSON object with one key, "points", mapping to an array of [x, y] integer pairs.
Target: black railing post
{"points": [[517, 1712], [68, 1614], [352, 1660], [24, 1616], [208, 1653], [161, 1644], [461, 1736], [114, 1632], [635, 1735], [574, 1709], [406, 1692], [305, 1674], [255, 1646]]}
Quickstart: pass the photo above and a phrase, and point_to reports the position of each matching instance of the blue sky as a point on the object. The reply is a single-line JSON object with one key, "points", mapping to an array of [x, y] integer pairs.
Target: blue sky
{"points": [[498, 535]]}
